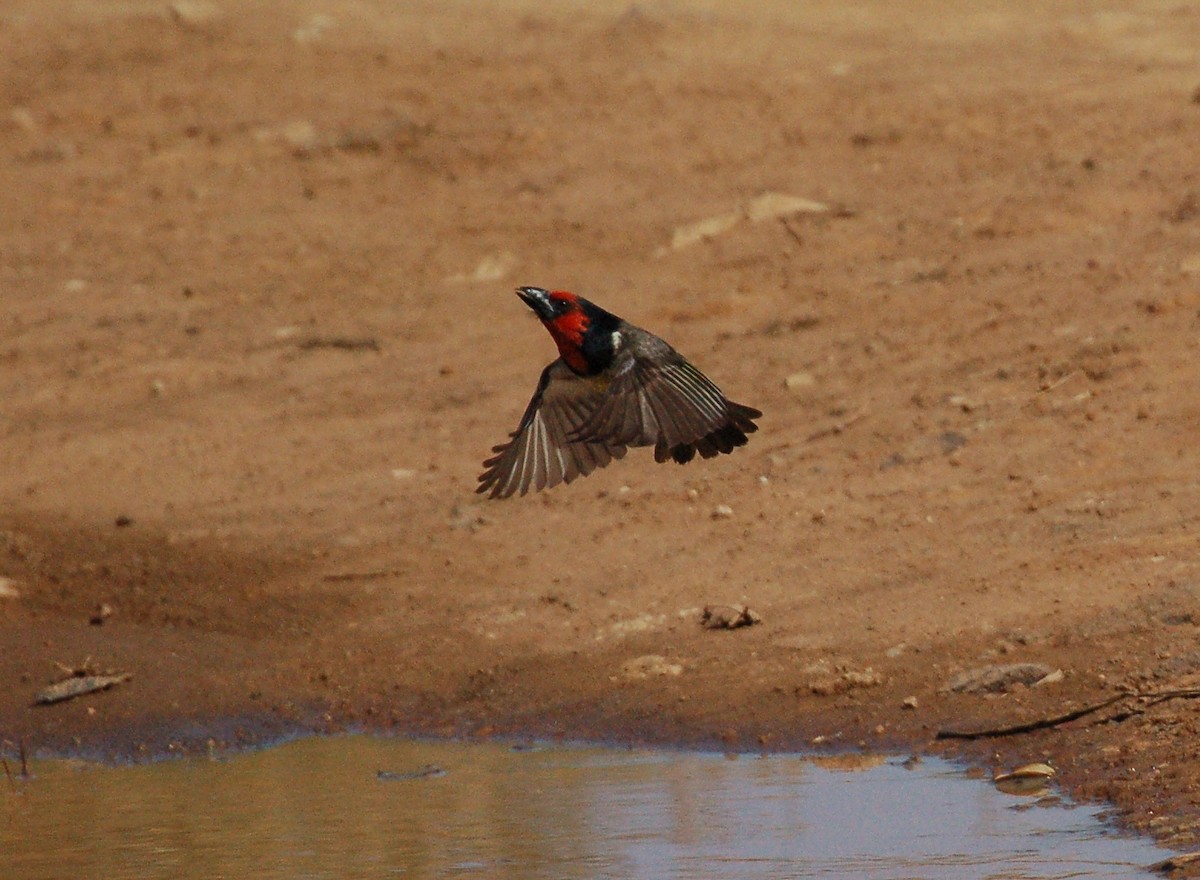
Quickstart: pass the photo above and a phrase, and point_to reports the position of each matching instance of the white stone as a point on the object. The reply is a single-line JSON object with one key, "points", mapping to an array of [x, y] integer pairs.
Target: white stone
{"points": [[771, 205], [799, 381]]}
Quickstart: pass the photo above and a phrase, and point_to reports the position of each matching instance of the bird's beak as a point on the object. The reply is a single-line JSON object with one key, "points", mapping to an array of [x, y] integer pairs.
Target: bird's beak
{"points": [[537, 299]]}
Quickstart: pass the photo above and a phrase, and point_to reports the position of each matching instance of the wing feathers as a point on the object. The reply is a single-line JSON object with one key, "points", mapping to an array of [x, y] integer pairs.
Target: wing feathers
{"points": [[542, 451], [667, 403], [574, 425]]}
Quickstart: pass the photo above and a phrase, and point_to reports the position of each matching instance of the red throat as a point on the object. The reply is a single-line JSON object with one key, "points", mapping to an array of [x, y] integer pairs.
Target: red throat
{"points": [[567, 330]]}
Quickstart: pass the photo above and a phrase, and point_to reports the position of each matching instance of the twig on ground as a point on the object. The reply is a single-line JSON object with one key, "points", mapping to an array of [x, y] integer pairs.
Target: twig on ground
{"points": [[345, 343], [1152, 698], [371, 575], [1061, 381], [792, 232], [1030, 726], [79, 670]]}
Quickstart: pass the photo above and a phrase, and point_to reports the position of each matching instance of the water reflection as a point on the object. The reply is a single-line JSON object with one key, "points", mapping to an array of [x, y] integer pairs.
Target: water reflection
{"points": [[316, 809]]}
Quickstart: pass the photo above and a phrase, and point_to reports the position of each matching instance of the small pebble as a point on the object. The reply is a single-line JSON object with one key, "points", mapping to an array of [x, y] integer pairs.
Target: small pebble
{"points": [[799, 381], [1053, 678], [728, 617], [722, 511], [102, 613]]}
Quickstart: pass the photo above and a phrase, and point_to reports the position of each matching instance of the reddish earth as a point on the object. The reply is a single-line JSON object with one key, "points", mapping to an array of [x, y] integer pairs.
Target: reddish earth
{"points": [[258, 333]]}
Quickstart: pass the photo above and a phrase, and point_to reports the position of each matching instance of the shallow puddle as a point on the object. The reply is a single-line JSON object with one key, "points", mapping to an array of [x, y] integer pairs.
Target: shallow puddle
{"points": [[322, 808]]}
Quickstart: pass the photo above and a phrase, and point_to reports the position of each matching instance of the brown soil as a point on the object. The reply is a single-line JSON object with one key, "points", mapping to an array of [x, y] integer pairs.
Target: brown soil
{"points": [[258, 333]]}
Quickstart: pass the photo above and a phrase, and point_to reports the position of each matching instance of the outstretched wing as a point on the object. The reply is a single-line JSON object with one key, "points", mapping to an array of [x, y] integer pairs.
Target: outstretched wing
{"points": [[659, 399], [543, 451]]}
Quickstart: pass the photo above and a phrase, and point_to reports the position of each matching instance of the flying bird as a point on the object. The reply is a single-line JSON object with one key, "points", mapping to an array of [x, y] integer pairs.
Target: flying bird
{"points": [[613, 386]]}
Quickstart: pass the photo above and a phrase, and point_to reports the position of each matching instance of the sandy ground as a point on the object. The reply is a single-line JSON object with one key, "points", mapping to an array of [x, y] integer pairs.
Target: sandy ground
{"points": [[258, 332]]}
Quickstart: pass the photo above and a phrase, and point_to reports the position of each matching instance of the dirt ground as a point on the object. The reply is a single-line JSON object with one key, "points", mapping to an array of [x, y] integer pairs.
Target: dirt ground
{"points": [[258, 332]]}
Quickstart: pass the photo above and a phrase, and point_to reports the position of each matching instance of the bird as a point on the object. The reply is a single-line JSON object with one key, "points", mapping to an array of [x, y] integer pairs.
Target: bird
{"points": [[613, 386]]}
